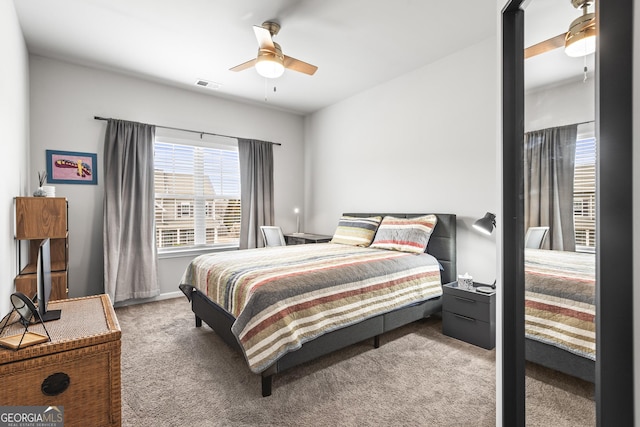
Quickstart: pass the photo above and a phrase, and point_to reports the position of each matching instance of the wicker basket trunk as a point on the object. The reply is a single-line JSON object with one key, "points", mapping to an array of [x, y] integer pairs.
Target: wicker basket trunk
{"points": [[85, 347]]}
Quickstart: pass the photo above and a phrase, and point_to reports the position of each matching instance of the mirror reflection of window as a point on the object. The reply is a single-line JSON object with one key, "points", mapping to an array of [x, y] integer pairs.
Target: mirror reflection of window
{"points": [[584, 190]]}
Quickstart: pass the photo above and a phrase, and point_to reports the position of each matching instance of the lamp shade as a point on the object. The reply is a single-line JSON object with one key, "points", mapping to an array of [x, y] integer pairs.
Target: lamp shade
{"points": [[485, 224]]}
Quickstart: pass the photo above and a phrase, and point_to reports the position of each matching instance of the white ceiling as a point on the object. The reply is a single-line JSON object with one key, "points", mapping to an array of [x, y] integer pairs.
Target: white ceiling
{"points": [[356, 44], [545, 19]]}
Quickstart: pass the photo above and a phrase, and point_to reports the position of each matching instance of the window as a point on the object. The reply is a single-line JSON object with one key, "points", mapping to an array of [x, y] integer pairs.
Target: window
{"points": [[584, 195], [184, 210], [197, 195]]}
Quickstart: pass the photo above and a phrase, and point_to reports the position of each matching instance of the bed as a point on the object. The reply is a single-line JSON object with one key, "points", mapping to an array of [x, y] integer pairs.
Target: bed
{"points": [[560, 311], [251, 328]]}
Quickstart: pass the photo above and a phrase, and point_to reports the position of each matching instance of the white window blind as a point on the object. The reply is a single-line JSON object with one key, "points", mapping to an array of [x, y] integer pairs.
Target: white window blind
{"points": [[197, 196], [584, 195]]}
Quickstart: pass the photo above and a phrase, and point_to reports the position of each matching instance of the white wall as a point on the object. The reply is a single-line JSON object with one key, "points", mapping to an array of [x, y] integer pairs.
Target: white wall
{"points": [[560, 105], [424, 142], [14, 128], [66, 97]]}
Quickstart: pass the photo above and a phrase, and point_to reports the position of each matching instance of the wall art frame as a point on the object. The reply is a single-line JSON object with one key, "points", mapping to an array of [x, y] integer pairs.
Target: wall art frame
{"points": [[71, 167]]}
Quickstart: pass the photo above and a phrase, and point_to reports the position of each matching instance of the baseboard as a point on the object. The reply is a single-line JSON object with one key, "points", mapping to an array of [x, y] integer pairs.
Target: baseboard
{"points": [[168, 295]]}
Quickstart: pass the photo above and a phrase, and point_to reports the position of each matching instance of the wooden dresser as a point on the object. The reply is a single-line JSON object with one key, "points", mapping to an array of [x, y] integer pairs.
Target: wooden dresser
{"points": [[39, 218], [84, 346]]}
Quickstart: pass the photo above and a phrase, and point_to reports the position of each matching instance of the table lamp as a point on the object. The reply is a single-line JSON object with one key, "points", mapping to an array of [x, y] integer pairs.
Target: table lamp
{"points": [[485, 225]]}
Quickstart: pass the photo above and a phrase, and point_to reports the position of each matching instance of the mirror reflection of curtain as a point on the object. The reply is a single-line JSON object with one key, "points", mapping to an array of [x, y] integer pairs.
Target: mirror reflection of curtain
{"points": [[548, 184]]}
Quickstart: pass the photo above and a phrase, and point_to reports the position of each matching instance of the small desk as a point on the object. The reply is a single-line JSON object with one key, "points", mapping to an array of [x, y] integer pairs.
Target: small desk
{"points": [[304, 238]]}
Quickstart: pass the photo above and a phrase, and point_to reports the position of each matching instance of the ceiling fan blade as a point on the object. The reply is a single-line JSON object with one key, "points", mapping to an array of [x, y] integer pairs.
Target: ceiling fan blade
{"points": [[300, 66], [264, 38], [244, 65], [545, 46]]}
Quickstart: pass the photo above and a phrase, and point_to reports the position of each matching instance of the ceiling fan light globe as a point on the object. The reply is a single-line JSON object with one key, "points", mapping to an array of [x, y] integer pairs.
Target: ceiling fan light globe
{"points": [[584, 46], [581, 46], [581, 37], [269, 69], [270, 64]]}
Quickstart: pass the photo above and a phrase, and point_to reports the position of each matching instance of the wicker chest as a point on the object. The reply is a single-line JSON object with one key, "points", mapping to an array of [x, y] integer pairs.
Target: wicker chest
{"points": [[85, 346]]}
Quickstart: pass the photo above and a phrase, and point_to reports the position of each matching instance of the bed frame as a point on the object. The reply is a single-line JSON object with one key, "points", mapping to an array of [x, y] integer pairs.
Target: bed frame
{"points": [[559, 359], [442, 245]]}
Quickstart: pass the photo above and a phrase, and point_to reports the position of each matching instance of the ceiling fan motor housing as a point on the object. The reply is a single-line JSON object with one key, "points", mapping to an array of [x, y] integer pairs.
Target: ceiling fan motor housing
{"points": [[273, 27], [268, 53], [581, 3]]}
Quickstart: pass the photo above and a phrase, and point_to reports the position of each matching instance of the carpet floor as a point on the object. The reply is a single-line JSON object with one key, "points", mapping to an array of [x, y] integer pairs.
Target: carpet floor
{"points": [[176, 374]]}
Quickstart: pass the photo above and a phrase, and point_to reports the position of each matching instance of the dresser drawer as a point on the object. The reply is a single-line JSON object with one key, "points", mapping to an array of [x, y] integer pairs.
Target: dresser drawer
{"points": [[468, 329], [466, 306], [90, 395]]}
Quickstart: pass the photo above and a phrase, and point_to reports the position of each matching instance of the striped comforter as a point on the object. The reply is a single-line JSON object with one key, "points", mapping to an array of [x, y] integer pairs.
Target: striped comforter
{"points": [[560, 300], [285, 296]]}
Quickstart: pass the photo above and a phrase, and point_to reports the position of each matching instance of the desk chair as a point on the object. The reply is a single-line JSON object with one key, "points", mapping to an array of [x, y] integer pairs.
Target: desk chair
{"points": [[272, 235], [535, 237]]}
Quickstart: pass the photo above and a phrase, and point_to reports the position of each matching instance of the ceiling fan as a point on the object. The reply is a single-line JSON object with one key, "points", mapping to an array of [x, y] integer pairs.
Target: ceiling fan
{"points": [[270, 61], [580, 40]]}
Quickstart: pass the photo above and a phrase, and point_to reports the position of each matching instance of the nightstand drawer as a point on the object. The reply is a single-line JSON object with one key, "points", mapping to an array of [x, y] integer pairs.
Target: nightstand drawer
{"points": [[468, 329], [467, 306]]}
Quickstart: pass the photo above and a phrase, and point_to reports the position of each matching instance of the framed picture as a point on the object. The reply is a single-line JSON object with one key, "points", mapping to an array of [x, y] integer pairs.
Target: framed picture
{"points": [[71, 167]]}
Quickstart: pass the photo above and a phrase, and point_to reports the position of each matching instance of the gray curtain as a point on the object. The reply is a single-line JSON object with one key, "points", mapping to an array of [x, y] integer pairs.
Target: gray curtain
{"points": [[130, 255], [256, 190], [548, 184]]}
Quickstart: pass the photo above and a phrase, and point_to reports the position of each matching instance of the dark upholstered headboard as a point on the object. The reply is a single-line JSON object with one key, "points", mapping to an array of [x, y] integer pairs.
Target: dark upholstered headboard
{"points": [[442, 243]]}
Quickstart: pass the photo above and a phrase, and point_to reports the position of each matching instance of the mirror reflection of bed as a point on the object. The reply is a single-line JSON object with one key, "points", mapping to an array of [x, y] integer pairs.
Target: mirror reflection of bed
{"points": [[560, 311]]}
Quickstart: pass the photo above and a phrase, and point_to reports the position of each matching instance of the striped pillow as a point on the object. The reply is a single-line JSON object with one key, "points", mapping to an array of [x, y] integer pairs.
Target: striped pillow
{"points": [[356, 231], [405, 234]]}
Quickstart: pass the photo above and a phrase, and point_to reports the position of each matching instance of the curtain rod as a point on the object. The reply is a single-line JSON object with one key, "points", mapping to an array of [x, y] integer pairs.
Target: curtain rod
{"points": [[577, 124], [584, 123], [192, 131]]}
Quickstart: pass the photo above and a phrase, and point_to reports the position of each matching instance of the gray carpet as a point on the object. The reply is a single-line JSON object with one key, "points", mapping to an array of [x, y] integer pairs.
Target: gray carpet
{"points": [[176, 374], [556, 399]]}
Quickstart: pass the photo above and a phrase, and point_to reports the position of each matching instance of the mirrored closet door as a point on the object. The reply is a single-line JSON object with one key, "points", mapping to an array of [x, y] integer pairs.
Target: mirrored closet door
{"points": [[559, 221], [528, 124]]}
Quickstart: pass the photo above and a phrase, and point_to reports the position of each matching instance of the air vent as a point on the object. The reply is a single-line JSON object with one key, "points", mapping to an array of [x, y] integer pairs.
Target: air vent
{"points": [[208, 84]]}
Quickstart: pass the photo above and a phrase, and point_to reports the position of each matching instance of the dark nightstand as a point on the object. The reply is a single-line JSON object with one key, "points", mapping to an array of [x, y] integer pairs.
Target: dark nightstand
{"points": [[469, 315], [304, 238]]}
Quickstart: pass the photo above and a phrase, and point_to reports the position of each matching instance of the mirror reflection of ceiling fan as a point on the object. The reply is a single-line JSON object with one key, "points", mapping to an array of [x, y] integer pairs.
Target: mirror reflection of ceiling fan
{"points": [[580, 40], [270, 61]]}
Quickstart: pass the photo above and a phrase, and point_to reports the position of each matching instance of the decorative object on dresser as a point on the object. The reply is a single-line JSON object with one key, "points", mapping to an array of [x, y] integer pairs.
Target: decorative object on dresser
{"points": [[40, 191], [36, 219], [79, 369], [26, 311], [469, 315], [356, 293]]}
